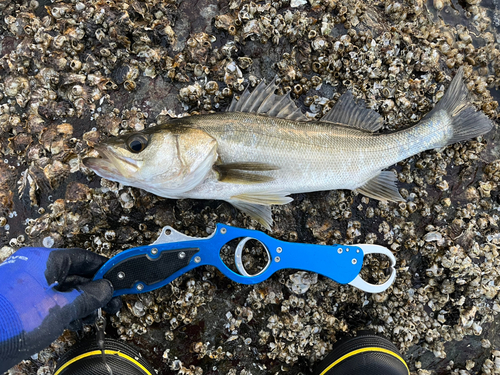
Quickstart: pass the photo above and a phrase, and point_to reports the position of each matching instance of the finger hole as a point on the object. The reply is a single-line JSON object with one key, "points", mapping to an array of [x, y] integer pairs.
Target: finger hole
{"points": [[376, 268], [252, 256]]}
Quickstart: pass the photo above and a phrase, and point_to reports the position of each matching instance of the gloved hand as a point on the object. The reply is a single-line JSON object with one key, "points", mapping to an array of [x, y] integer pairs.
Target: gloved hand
{"points": [[41, 292]]}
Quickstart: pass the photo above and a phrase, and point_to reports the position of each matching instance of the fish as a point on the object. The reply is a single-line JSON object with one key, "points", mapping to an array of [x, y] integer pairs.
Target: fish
{"points": [[263, 149]]}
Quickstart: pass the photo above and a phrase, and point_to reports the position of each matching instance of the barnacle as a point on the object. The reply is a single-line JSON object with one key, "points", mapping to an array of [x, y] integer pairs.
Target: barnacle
{"points": [[77, 71]]}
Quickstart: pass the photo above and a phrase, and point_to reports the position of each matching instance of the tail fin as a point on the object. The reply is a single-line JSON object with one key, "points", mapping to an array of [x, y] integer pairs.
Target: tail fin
{"points": [[466, 122]]}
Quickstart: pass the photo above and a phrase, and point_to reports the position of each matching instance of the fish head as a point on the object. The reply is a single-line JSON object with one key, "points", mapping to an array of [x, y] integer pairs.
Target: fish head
{"points": [[164, 161]]}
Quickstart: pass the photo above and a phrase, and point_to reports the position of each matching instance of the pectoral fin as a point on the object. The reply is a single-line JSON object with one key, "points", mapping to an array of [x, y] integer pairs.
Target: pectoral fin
{"points": [[244, 173], [382, 187], [258, 205]]}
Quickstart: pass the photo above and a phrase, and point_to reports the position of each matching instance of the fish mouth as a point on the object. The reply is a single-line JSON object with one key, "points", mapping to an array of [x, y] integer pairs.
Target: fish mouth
{"points": [[111, 165]]}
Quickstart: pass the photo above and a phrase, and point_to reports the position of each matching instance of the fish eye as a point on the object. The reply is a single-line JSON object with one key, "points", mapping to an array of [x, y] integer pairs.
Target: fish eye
{"points": [[137, 142]]}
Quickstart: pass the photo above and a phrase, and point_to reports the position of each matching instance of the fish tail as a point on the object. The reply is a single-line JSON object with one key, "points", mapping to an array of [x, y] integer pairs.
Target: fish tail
{"points": [[465, 122]]}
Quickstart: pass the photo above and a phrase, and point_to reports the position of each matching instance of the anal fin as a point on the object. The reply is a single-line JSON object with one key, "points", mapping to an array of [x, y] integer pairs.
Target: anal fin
{"points": [[382, 187]]}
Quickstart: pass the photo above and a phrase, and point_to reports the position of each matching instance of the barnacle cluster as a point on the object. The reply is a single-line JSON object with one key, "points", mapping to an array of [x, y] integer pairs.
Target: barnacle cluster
{"points": [[74, 72]]}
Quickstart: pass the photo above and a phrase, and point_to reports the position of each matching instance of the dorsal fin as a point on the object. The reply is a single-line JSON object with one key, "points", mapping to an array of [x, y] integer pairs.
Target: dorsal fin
{"points": [[264, 101], [347, 112], [236, 105]]}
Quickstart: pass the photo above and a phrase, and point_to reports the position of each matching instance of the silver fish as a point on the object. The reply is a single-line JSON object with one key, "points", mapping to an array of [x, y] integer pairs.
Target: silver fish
{"points": [[264, 149]]}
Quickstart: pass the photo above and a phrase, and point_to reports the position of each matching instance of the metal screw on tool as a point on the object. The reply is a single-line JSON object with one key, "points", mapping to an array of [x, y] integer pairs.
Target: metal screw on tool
{"points": [[182, 255], [277, 259], [223, 231], [139, 287], [121, 275], [340, 251], [279, 250], [354, 261], [357, 251], [197, 259], [154, 251]]}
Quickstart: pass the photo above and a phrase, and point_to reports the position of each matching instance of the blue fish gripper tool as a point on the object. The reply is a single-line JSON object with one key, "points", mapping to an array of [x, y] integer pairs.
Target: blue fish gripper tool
{"points": [[145, 268]]}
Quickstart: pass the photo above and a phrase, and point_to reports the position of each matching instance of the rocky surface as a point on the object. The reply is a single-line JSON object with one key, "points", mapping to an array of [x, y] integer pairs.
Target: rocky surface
{"points": [[73, 73]]}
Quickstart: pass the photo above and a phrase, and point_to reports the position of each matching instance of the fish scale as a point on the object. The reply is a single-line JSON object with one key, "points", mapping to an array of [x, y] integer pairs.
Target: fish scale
{"points": [[332, 152], [337, 157]]}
